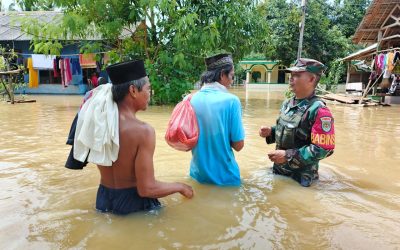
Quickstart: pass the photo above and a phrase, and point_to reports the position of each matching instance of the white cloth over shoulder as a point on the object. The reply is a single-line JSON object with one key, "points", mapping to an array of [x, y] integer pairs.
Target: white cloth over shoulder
{"points": [[97, 131]]}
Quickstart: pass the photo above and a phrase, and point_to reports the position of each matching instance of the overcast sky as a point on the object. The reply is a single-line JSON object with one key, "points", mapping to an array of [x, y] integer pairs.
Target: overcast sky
{"points": [[6, 3]]}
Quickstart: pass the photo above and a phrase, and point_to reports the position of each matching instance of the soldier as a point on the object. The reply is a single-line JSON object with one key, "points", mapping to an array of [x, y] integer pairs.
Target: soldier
{"points": [[304, 133]]}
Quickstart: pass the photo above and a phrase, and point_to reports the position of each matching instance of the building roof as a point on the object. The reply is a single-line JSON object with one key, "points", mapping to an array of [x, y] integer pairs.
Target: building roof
{"points": [[257, 61], [381, 15], [10, 25], [361, 53]]}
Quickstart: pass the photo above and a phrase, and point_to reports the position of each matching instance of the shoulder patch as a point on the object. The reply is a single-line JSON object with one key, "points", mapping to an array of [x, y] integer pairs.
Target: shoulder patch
{"points": [[323, 130], [326, 123]]}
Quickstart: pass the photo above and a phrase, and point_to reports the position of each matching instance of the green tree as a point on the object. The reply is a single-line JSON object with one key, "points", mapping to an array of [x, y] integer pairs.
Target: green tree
{"points": [[31, 5], [323, 40], [173, 36], [11, 77], [347, 15], [328, 28], [283, 19]]}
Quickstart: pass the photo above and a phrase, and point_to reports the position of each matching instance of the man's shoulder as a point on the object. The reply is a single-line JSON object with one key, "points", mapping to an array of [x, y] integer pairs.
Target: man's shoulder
{"points": [[139, 129], [317, 104], [319, 108], [233, 98]]}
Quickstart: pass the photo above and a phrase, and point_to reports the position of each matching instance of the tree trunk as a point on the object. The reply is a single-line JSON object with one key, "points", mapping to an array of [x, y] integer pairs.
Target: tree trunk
{"points": [[11, 89]]}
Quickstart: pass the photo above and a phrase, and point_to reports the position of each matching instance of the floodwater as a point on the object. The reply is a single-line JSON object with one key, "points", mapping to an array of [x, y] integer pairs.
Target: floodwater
{"points": [[355, 205]]}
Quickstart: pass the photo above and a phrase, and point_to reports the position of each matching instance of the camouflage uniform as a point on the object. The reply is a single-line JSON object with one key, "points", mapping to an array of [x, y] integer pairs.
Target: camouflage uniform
{"points": [[305, 130]]}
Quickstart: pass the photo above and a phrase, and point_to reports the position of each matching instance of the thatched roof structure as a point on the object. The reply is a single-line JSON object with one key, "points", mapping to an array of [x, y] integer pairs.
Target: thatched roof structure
{"points": [[381, 24]]}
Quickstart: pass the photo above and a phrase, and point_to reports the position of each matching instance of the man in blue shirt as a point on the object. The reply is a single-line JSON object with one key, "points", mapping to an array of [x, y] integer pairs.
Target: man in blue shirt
{"points": [[219, 118]]}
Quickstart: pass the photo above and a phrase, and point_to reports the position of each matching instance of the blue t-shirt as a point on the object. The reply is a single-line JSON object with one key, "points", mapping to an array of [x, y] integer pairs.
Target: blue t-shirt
{"points": [[219, 117]]}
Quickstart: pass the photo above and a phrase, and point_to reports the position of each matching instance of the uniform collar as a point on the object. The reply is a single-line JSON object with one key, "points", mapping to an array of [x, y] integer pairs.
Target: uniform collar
{"points": [[300, 102], [216, 86]]}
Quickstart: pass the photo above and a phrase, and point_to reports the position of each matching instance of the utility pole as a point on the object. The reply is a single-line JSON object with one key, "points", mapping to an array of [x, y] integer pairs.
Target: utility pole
{"points": [[303, 19]]}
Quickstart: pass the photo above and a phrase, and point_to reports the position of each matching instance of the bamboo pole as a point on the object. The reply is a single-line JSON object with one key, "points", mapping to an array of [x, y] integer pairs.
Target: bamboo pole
{"points": [[368, 88], [11, 89]]}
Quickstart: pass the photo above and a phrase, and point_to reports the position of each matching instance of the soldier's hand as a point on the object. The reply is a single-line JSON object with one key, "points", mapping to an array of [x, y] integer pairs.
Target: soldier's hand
{"points": [[186, 191], [278, 156], [265, 131]]}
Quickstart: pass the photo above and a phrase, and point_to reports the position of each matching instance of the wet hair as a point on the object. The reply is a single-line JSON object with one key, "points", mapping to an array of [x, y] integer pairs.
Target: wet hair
{"points": [[215, 75], [119, 91]]}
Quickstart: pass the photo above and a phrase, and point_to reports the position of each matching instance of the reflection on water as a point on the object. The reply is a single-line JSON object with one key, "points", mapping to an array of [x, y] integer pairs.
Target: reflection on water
{"points": [[355, 205]]}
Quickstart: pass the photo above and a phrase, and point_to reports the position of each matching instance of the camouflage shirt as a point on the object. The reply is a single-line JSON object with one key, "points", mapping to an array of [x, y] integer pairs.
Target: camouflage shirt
{"points": [[305, 130]]}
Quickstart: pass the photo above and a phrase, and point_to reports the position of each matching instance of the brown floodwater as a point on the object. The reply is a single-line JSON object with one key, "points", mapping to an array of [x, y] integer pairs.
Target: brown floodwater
{"points": [[355, 205]]}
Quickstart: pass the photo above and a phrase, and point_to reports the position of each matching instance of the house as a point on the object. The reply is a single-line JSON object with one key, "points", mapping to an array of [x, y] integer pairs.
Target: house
{"points": [[379, 32], [263, 72], [12, 37]]}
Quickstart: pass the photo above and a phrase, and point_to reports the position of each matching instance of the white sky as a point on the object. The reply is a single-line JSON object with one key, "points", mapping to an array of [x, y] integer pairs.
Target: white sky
{"points": [[6, 3]]}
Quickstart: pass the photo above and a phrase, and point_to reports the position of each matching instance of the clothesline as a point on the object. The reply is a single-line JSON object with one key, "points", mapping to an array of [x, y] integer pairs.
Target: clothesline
{"points": [[386, 50]]}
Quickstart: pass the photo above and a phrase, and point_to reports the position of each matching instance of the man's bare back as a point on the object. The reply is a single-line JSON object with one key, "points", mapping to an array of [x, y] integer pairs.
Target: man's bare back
{"points": [[129, 185], [134, 166], [132, 134]]}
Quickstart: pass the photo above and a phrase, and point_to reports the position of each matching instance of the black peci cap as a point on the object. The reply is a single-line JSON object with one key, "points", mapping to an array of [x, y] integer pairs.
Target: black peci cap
{"points": [[218, 61], [124, 72]]}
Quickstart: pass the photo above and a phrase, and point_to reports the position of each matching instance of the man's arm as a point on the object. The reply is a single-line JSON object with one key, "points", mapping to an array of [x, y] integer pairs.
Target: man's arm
{"points": [[237, 130], [147, 185], [237, 145]]}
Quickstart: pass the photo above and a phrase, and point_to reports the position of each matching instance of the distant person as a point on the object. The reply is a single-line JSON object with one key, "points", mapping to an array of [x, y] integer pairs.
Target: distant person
{"points": [[221, 129], [395, 84], [125, 161], [94, 79], [304, 133]]}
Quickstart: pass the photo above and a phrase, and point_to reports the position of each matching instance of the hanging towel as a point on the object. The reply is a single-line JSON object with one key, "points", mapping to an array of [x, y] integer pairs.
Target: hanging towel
{"points": [[97, 131], [42, 61], [67, 71], [33, 75], [76, 67], [56, 73], [87, 60], [61, 65], [396, 57]]}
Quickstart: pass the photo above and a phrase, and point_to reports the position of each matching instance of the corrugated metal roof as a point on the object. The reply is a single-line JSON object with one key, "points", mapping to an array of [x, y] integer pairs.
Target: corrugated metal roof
{"points": [[10, 25], [361, 53]]}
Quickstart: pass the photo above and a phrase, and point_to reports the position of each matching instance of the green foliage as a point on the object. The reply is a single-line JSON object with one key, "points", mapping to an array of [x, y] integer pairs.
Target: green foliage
{"points": [[173, 36], [7, 56], [328, 27], [30, 5], [334, 77], [283, 19], [347, 15]]}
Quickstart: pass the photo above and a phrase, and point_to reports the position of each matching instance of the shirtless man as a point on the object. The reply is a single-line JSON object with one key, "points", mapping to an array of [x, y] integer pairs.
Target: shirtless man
{"points": [[129, 184]]}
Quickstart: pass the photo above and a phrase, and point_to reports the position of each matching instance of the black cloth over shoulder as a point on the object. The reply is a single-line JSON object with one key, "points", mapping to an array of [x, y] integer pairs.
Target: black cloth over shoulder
{"points": [[71, 162]]}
